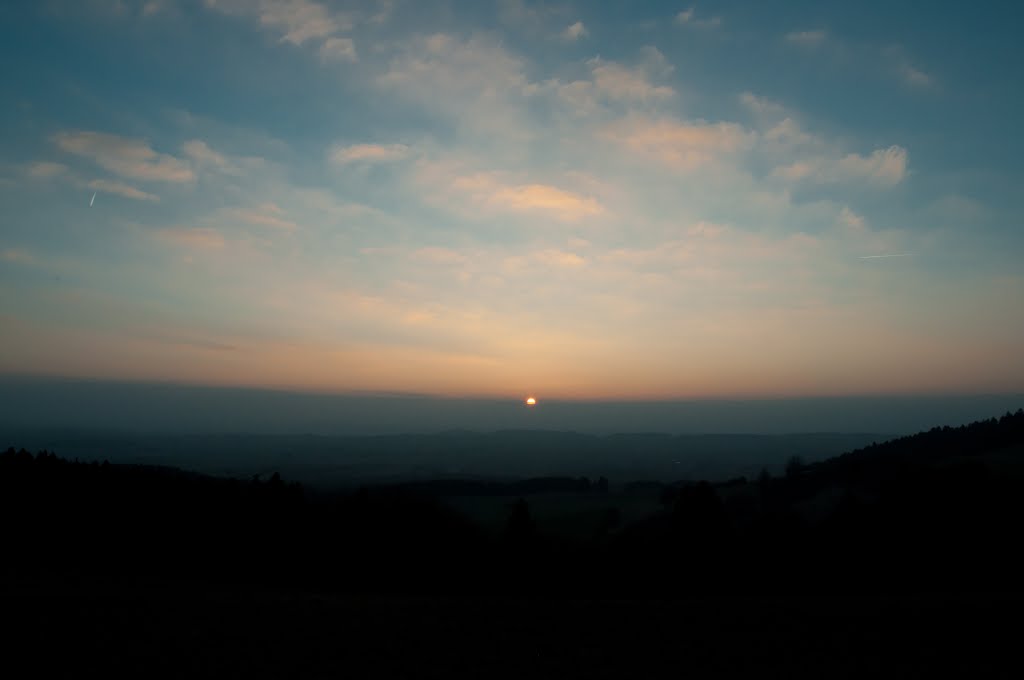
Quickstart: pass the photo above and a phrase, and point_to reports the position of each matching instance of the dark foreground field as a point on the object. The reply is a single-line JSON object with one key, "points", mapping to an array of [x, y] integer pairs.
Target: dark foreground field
{"points": [[176, 633]]}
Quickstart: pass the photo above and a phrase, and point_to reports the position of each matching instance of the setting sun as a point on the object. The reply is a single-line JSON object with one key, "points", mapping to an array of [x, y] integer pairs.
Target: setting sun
{"points": [[530, 401]]}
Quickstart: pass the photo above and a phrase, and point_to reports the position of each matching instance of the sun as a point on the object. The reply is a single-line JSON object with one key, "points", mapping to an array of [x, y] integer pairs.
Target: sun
{"points": [[530, 401]]}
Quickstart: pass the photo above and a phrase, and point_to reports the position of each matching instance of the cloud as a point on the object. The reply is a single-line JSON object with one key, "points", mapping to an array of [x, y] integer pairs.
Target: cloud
{"points": [[614, 82], [154, 7], [369, 153], [760, 105], [795, 171], [884, 166], [121, 189], [17, 256], [265, 215], [559, 258], [476, 82], [788, 133], [46, 170], [806, 38], [852, 220], [685, 17], [485, 194], [200, 152], [898, 61], [575, 31], [531, 16], [855, 234], [192, 238], [385, 9], [680, 144], [955, 207], [440, 66], [296, 21], [654, 62], [130, 158], [172, 338], [913, 76], [707, 230], [618, 82], [339, 49], [558, 203], [891, 59], [689, 17], [436, 255]]}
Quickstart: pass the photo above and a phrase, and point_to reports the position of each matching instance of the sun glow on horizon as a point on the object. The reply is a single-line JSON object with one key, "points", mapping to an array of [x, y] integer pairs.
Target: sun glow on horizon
{"points": [[530, 401]]}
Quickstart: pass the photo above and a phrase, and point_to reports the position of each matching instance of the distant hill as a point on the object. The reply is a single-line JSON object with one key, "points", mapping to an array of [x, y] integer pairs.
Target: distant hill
{"points": [[329, 461]]}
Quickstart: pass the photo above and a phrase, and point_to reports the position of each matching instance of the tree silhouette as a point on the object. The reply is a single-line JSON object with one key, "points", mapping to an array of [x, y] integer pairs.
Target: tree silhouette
{"points": [[520, 529]]}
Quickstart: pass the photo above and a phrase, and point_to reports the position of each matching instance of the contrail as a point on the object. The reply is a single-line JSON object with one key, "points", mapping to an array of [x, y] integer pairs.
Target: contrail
{"points": [[875, 257], [92, 199]]}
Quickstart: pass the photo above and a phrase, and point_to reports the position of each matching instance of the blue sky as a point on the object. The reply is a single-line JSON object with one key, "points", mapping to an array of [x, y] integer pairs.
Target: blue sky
{"points": [[588, 200]]}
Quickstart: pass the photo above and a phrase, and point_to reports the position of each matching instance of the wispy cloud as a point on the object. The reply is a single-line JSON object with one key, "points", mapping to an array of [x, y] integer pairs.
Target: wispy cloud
{"points": [[575, 31], [368, 153], [17, 256], [788, 134], [201, 154], [892, 59], [706, 229], [295, 21], [615, 83], [541, 198], [385, 10], [680, 144], [879, 257], [477, 81], [264, 215], [532, 16], [46, 170], [688, 17], [627, 84], [813, 38], [153, 7], [914, 76], [172, 338], [851, 219], [559, 258], [339, 49], [885, 167], [192, 238], [121, 189], [124, 156], [906, 71], [483, 194], [760, 105], [438, 255]]}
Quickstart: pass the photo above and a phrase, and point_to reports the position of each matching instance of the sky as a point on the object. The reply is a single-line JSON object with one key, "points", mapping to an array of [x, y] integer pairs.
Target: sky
{"points": [[616, 200]]}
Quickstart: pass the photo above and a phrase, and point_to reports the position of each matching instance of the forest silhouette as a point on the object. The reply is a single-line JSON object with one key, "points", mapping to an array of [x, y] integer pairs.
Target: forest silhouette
{"points": [[936, 512], [937, 509]]}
